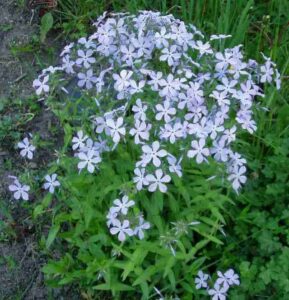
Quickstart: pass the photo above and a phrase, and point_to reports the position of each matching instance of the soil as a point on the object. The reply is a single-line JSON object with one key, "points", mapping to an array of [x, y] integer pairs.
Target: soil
{"points": [[20, 264], [16, 29]]}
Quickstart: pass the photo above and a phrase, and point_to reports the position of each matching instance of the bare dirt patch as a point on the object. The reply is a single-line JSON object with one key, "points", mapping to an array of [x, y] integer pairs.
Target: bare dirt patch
{"points": [[20, 263]]}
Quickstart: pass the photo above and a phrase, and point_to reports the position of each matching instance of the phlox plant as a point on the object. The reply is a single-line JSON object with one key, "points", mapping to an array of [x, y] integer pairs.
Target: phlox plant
{"points": [[152, 113]]}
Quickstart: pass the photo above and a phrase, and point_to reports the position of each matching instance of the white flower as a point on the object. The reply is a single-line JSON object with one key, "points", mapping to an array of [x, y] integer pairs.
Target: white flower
{"points": [[67, 49], [116, 129], [218, 292], [162, 37], [140, 178], [219, 37], [201, 280], [141, 131], [165, 111], [68, 64], [230, 134], [101, 145], [196, 112], [89, 145], [224, 60], [220, 151], [87, 43], [86, 79], [51, 183], [227, 279], [89, 160], [78, 141], [111, 217], [121, 229], [143, 45], [199, 151], [232, 277], [170, 55], [139, 110], [172, 132], [122, 80], [129, 54], [155, 80], [278, 80], [195, 92], [139, 229], [136, 87], [157, 181], [237, 159], [19, 190], [221, 97], [204, 48], [213, 128], [222, 114], [153, 153], [85, 58], [101, 125], [170, 87], [249, 125], [267, 72], [238, 177], [174, 165], [27, 149], [123, 205], [199, 129], [41, 87], [227, 86]]}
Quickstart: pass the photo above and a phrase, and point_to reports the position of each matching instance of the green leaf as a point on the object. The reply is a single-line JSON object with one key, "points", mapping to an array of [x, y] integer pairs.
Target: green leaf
{"points": [[38, 210], [136, 259], [45, 26], [117, 287], [146, 275], [52, 235], [52, 268], [88, 214]]}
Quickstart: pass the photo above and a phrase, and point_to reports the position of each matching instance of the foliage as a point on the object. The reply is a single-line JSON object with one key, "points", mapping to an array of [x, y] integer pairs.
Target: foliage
{"points": [[258, 237], [93, 258], [45, 26]]}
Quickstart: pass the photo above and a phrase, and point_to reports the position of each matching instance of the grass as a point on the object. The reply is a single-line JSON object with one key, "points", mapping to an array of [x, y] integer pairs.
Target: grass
{"points": [[261, 23]]}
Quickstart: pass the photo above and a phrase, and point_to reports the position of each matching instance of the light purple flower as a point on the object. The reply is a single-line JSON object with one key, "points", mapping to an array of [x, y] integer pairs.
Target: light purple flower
{"points": [[51, 183], [19, 190], [88, 160], [87, 79], [199, 151], [41, 86], [158, 181], [123, 205], [121, 229], [27, 149]]}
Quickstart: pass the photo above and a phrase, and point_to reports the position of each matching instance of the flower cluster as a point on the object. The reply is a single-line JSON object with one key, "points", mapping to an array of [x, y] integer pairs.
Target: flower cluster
{"points": [[221, 285], [124, 224], [161, 83]]}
